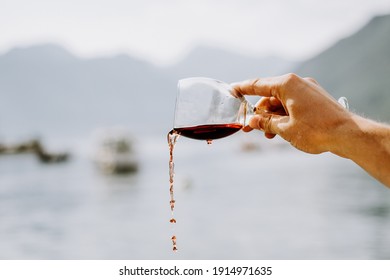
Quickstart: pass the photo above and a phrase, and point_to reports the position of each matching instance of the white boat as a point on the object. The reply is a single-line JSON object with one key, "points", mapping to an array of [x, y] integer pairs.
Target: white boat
{"points": [[115, 152]]}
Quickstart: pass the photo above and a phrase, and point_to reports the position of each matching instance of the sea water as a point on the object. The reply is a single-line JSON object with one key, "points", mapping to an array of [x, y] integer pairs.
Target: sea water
{"points": [[273, 202]]}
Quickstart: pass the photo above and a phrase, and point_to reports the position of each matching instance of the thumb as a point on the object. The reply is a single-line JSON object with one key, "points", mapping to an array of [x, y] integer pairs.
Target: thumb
{"points": [[269, 123]]}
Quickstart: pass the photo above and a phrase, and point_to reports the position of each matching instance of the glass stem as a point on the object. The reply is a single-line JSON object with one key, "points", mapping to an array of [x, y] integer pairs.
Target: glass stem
{"points": [[248, 111]]}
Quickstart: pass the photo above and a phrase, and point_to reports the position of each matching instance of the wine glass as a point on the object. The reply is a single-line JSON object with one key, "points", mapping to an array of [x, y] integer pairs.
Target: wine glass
{"points": [[207, 109]]}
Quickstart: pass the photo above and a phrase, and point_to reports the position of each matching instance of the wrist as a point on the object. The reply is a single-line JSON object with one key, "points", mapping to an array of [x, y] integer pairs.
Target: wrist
{"points": [[351, 136], [367, 143]]}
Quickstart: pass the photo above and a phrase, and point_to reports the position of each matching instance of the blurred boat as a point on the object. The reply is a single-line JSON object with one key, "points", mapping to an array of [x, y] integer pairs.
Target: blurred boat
{"points": [[115, 153], [36, 147]]}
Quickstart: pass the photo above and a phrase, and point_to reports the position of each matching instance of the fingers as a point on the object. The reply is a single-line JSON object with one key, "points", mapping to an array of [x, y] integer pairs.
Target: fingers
{"points": [[271, 124], [270, 104], [269, 135], [272, 86], [267, 105], [247, 128], [261, 87], [266, 134], [311, 80]]}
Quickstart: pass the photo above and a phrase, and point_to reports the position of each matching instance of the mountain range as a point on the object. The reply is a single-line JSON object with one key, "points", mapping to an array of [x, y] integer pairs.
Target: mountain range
{"points": [[228, 66], [357, 67], [46, 89]]}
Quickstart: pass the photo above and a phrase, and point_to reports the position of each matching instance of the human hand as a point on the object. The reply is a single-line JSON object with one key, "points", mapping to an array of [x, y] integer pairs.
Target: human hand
{"points": [[298, 110]]}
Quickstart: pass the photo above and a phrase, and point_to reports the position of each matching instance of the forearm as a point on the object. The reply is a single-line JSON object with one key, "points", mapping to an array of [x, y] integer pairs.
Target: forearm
{"points": [[367, 143]]}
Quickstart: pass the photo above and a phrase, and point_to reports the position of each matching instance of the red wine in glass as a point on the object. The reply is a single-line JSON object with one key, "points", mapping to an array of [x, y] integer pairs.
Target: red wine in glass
{"points": [[208, 131]]}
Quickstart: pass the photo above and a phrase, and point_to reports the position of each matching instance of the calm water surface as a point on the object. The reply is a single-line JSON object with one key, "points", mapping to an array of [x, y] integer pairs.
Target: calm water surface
{"points": [[269, 203]]}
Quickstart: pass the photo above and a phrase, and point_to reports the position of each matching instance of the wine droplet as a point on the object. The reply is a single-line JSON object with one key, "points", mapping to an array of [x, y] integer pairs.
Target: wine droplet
{"points": [[174, 243]]}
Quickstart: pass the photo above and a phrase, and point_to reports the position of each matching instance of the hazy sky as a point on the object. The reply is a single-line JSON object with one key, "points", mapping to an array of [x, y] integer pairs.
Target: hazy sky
{"points": [[163, 31]]}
